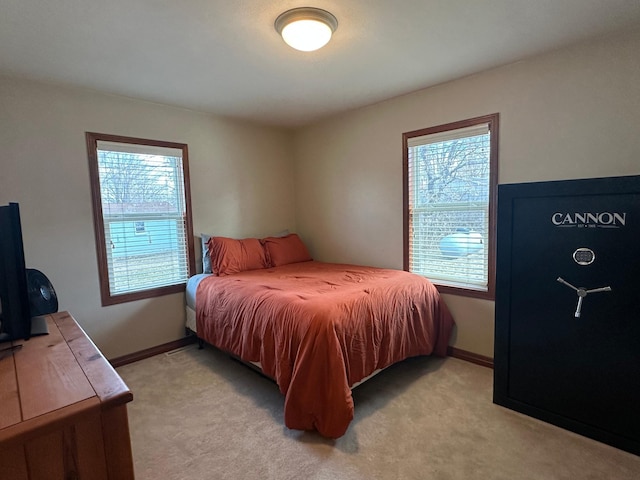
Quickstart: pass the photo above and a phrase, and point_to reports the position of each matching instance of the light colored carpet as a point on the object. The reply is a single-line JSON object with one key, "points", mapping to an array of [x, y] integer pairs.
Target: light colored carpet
{"points": [[197, 414]]}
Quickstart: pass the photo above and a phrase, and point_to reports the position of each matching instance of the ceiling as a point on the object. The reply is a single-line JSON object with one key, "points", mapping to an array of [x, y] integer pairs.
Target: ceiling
{"points": [[225, 57]]}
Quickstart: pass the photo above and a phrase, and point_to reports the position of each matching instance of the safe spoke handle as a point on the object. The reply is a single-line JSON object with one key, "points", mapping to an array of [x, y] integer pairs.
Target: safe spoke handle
{"points": [[582, 292], [596, 290], [563, 281]]}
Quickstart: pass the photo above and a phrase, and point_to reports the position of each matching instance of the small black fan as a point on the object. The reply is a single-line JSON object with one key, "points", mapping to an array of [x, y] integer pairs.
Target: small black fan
{"points": [[42, 297]]}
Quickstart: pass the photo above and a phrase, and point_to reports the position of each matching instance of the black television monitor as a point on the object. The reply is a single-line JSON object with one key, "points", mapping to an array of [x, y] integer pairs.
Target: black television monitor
{"points": [[15, 316]]}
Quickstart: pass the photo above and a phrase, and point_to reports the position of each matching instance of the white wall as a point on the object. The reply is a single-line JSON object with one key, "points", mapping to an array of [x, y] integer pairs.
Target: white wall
{"points": [[241, 185], [573, 113]]}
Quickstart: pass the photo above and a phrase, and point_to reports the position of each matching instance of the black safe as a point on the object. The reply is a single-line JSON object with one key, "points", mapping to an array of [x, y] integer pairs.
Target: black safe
{"points": [[567, 324]]}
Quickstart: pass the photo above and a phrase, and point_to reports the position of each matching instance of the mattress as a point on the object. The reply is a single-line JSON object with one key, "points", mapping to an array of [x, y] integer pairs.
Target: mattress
{"points": [[190, 298]]}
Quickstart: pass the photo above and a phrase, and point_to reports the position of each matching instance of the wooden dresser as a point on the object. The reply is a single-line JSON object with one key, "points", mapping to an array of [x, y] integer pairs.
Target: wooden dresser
{"points": [[63, 409]]}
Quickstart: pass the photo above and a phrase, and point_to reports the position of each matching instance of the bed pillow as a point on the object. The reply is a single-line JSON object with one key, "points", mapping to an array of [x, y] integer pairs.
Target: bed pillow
{"points": [[206, 260], [285, 250], [229, 255]]}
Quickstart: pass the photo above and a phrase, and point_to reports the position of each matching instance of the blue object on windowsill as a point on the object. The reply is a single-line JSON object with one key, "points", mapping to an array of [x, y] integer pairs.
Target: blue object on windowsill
{"points": [[462, 243]]}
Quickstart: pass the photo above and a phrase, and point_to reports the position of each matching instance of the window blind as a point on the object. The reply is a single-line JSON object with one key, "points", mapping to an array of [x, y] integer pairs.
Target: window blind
{"points": [[449, 192], [144, 216]]}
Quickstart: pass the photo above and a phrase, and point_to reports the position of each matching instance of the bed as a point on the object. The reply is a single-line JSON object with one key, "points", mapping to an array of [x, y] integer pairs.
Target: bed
{"points": [[316, 328]]}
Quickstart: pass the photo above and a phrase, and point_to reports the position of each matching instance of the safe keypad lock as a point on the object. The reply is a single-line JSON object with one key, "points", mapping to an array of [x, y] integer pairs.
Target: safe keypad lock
{"points": [[584, 256]]}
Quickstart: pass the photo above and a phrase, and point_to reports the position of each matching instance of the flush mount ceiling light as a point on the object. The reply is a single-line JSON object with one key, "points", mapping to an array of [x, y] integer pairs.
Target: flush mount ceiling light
{"points": [[306, 28]]}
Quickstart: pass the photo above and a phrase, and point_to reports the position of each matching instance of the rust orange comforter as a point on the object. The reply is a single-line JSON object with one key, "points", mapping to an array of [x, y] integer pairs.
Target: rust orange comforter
{"points": [[317, 328]]}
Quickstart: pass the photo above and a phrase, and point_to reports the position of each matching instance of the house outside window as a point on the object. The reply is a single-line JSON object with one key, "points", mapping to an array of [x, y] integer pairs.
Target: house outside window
{"points": [[142, 216], [450, 179]]}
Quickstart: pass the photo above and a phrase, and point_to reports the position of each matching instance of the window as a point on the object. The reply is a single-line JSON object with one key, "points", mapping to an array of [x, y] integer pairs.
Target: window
{"points": [[139, 227], [450, 176], [142, 216]]}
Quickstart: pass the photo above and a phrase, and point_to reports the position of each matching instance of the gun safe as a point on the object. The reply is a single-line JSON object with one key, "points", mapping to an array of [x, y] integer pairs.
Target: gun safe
{"points": [[567, 325]]}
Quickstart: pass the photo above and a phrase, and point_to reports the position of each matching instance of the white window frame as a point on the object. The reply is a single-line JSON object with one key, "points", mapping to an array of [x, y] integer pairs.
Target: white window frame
{"points": [[475, 283], [142, 285]]}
